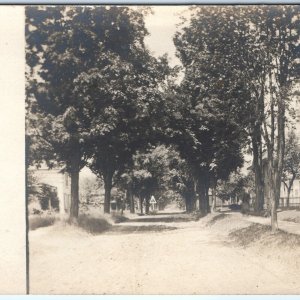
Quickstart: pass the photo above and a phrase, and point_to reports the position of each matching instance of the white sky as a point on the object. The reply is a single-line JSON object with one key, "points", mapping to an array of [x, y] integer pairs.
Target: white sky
{"points": [[162, 27]]}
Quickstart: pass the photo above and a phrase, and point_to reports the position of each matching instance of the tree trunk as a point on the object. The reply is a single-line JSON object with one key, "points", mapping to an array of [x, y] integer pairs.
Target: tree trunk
{"points": [[214, 197], [147, 206], [288, 196], [273, 206], [74, 209], [278, 161], [202, 197], [141, 204], [129, 196], [207, 206], [258, 170], [132, 208], [74, 173], [188, 204], [107, 189], [274, 223], [189, 197]]}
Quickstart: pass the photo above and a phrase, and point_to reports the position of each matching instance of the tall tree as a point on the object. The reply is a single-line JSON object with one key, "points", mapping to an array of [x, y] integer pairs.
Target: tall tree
{"points": [[64, 43], [278, 31], [253, 52], [210, 90], [121, 99]]}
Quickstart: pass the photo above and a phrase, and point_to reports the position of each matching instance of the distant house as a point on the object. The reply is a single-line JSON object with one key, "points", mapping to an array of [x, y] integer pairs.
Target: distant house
{"points": [[59, 179], [294, 199]]}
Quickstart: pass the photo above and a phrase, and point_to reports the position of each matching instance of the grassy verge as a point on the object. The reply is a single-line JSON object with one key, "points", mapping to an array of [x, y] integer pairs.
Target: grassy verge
{"points": [[92, 224], [38, 221], [262, 235]]}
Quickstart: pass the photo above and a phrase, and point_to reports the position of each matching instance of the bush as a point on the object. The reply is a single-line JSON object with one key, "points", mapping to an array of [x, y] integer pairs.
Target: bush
{"points": [[38, 221], [93, 224]]}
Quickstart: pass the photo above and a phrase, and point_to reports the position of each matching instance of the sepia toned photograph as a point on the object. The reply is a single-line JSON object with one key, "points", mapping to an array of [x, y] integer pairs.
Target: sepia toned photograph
{"points": [[162, 149]]}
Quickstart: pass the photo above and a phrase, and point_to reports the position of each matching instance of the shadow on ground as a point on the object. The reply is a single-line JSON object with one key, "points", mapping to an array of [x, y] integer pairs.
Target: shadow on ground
{"points": [[101, 226], [128, 229], [165, 218], [216, 218]]}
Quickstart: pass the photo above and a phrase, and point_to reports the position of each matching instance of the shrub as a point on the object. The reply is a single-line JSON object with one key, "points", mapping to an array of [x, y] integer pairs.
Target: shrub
{"points": [[38, 221], [93, 224]]}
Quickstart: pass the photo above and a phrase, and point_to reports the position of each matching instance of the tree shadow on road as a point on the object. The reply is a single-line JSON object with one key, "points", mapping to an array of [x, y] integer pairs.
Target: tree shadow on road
{"points": [[128, 229], [163, 219], [171, 213]]}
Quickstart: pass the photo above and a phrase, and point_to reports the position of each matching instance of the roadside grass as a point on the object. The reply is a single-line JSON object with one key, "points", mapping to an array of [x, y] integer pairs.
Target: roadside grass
{"points": [[258, 234], [43, 220]]}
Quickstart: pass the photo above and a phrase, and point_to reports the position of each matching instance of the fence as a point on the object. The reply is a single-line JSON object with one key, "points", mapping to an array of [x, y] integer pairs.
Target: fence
{"points": [[293, 202]]}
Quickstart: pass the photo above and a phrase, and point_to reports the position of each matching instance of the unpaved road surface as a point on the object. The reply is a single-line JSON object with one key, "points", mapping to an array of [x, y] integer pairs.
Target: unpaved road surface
{"points": [[155, 255]]}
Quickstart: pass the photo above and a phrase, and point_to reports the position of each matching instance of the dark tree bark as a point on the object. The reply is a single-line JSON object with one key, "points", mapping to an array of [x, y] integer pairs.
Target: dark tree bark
{"points": [[258, 170], [147, 206], [141, 204], [190, 203], [74, 173], [74, 209], [214, 196], [190, 197], [201, 190], [130, 197], [107, 188], [207, 206]]}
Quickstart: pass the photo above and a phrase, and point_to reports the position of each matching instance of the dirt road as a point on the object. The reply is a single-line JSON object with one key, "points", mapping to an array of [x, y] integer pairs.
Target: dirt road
{"points": [[167, 254]]}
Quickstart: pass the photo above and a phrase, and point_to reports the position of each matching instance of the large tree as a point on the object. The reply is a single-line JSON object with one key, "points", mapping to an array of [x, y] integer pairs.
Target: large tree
{"points": [[276, 32], [208, 128], [63, 45], [249, 54], [121, 99]]}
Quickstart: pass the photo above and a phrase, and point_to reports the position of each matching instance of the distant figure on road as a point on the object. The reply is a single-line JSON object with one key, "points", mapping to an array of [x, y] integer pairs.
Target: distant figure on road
{"points": [[153, 203]]}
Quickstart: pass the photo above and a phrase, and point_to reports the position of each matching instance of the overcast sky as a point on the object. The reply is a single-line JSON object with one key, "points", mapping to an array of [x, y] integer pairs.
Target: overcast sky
{"points": [[162, 27]]}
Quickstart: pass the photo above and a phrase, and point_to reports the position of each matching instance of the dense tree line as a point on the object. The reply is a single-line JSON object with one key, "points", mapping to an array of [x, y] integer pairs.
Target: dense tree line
{"points": [[96, 97]]}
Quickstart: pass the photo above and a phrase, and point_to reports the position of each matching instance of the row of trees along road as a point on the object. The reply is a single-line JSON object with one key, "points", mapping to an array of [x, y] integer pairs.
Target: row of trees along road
{"points": [[248, 57], [92, 89], [97, 97]]}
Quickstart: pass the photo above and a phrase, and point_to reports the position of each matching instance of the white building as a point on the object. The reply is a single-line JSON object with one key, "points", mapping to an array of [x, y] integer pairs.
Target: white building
{"points": [[59, 180]]}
